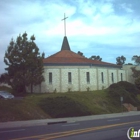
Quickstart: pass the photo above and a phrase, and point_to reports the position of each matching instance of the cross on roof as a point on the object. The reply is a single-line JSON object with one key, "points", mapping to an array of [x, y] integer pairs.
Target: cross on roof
{"points": [[64, 24]]}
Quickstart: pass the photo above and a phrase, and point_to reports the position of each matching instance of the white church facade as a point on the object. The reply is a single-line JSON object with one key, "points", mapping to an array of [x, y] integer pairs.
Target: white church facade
{"points": [[68, 71]]}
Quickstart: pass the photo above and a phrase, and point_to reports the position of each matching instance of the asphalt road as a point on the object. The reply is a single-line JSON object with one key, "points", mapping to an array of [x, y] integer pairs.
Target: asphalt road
{"points": [[101, 129]]}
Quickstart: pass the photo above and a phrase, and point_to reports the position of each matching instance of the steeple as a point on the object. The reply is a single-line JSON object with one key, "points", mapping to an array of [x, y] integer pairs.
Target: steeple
{"points": [[65, 44]]}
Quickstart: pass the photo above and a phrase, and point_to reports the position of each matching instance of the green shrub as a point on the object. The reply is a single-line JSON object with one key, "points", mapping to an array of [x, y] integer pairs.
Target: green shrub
{"points": [[63, 107], [131, 88], [125, 89]]}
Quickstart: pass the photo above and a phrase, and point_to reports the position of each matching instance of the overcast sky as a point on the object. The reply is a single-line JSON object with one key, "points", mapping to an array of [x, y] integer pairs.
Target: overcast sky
{"points": [[109, 28]]}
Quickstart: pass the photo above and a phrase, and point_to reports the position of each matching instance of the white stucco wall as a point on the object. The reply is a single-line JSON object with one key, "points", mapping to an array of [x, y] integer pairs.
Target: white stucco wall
{"points": [[123, 75], [65, 85], [129, 72], [79, 79], [102, 84], [115, 74], [84, 85], [55, 80]]}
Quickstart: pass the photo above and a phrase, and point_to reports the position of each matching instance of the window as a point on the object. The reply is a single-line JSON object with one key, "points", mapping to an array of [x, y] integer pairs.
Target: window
{"points": [[121, 77], [69, 77], [88, 77], [50, 77], [112, 76], [102, 77]]}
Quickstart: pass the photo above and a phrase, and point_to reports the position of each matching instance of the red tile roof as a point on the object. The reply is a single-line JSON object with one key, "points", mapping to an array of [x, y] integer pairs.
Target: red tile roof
{"points": [[69, 57]]}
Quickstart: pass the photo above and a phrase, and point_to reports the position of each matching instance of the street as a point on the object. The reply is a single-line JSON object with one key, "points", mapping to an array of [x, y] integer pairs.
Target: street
{"points": [[101, 129]]}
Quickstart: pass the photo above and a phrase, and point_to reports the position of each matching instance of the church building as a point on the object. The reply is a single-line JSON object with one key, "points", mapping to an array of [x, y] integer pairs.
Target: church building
{"points": [[68, 71]]}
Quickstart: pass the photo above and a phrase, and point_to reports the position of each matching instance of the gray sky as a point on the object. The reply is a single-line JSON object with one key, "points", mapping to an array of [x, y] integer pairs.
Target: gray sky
{"points": [[109, 28]]}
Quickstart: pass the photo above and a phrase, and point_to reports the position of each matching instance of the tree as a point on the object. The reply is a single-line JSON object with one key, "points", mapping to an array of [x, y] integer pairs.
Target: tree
{"points": [[129, 64], [80, 53], [136, 75], [25, 65], [137, 82], [120, 60], [94, 57], [3, 78], [136, 59]]}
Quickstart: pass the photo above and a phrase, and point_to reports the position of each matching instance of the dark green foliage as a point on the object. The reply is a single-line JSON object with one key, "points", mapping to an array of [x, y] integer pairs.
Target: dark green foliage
{"points": [[137, 82], [129, 87], [80, 53], [3, 78], [125, 89], [136, 75], [94, 57], [129, 64], [120, 60], [25, 65], [136, 59], [63, 107]]}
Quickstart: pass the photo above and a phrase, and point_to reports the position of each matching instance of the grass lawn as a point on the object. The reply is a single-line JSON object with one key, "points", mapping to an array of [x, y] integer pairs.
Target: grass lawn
{"points": [[54, 105], [73, 103]]}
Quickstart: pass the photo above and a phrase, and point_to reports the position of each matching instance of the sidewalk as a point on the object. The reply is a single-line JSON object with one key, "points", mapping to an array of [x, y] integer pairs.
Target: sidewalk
{"points": [[15, 124]]}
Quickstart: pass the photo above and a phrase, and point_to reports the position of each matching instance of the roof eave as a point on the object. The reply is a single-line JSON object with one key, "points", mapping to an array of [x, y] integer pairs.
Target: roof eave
{"points": [[82, 64]]}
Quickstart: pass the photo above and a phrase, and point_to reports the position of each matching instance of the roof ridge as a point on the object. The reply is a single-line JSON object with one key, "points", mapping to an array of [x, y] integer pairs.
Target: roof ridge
{"points": [[66, 52]]}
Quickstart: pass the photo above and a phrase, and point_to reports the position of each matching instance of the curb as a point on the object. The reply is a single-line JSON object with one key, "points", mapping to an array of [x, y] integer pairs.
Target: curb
{"points": [[50, 123], [28, 123]]}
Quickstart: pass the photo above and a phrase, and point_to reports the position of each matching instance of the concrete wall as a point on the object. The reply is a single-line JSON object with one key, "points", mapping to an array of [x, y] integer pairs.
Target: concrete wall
{"points": [[83, 84], [129, 72], [65, 85], [55, 80], [79, 79]]}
